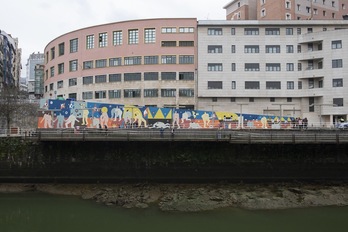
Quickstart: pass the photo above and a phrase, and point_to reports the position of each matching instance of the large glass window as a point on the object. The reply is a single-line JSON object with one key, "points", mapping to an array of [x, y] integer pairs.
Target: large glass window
{"points": [[103, 39], [150, 76], [215, 67], [273, 67], [132, 77], [52, 71], [251, 31], [60, 84], [186, 76], [338, 102], [289, 31], [115, 77], [186, 92], [214, 84], [88, 64], [100, 94], [115, 93], [336, 44], [61, 68], [168, 43], [165, 76], [150, 35], [87, 95], [133, 36], [290, 85], [166, 30], [186, 43], [150, 92], [214, 31], [186, 29], [115, 62], [117, 38], [187, 59], [273, 85], [73, 45], [53, 53], [251, 49], [132, 93], [73, 65], [337, 63], [272, 49], [338, 82], [214, 48], [272, 31], [168, 59], [150, 59], [252, 85], [100, 63], [90, 41], [290, 67], [87, 80], [72, 81], [100, 78], [61, 49], [251, 67], [133, 60], [168, 92], [289, 49]]}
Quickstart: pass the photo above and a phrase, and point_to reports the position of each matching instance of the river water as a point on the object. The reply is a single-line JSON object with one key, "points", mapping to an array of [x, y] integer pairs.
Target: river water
{"points": [[38, 212]]}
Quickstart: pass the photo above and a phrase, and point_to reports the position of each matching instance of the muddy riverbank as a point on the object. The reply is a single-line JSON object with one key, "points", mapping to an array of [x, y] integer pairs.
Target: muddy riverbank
{"points": [[198, 197]]}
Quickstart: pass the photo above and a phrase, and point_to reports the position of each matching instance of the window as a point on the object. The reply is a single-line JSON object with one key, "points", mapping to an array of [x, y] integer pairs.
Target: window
{"points": [[73, 65], [309, 30], [90, 41], [133, 36], [88, 64], [252, 67], [150, 59], [150, 76], [214, 31], [168, 43], [338, 102], [252, 85], [289, 49], [289, 66], [272, 49], [299, 31], [337, 63], [168, 92], [100, 78], [233, 99], [72, 81], [186, 92], [214, 99], [100, 63], [87, 80], [132, 77], [215, 67], [166, 30], [168, 76], [115, 62], [100, 94], [272, 99], [337, 82], [290, 85], [214, 48], [60, 84], [61, 68], [251, 31], [87, 95], [272, 31], [272, 84], [133, 60], [186, 43], [310, 83], [51, 86], [103, 39], [115, 77], [53, 53], [299, 85], [299, 48], [320, 84], [233, 67], [115, 93], [263, 12], [150, 35], [61, 49], [214, 84], [186, 29], [168, 59], [186, 76], [233, 48], [336, 44], [72, 95], [289, 31], [150, 92], [272, 67], [233, 31], [117, 38], [251, 99], [299, 67], [251, 49], [233, 84], [186, 59], [287, 16], [289, 99], [73, 45]]}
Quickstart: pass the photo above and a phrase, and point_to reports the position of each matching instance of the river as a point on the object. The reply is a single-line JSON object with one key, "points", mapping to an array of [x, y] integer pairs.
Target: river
{"points": [[39, 212]]}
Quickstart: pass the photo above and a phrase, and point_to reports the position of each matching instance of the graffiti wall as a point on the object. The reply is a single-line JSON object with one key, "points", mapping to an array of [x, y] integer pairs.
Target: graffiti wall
{"points": [[81, 114]]}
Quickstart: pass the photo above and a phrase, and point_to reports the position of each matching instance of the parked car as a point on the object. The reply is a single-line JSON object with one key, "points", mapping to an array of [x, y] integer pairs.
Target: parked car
{"points": [[343, 126]]}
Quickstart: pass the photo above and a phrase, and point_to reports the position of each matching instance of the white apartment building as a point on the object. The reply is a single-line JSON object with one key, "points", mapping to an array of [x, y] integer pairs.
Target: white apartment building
{"points": [[287, 68]]}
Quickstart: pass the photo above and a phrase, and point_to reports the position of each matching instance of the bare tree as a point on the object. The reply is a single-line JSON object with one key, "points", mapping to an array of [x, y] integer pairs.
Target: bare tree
{"points": [[14, 107]]}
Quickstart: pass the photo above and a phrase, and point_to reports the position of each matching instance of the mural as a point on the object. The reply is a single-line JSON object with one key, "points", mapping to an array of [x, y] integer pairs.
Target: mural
{"points": [[81, 114]]}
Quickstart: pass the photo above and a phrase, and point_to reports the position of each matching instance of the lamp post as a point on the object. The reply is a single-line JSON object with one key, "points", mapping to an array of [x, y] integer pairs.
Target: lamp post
{"points": [[241, 114]]}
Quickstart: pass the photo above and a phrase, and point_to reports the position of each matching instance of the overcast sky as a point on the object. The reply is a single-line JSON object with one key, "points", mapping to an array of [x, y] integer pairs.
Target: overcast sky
{"points": [[36, 22]]}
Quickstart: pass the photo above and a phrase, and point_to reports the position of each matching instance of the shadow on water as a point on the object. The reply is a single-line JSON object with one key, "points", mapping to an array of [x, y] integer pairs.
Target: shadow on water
{"points": [[42, 212]]}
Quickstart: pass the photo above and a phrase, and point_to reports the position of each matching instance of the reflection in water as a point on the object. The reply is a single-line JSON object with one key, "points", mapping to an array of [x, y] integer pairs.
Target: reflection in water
{"points": [[48, 213]]}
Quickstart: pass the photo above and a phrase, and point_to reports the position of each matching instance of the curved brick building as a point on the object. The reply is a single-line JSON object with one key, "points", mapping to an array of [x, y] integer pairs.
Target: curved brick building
{"points": [[148, 62]]}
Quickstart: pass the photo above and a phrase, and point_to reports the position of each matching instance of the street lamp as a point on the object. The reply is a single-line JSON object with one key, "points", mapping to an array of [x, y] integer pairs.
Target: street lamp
{"points": [[241, 114]]}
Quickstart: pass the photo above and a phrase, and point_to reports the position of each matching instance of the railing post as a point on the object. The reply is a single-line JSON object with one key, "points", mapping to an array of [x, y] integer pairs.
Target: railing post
{"points": [[337, 138]]}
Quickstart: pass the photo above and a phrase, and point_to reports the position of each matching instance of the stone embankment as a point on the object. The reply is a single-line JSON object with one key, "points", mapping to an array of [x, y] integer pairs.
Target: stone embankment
{"points": [[198, 197]]}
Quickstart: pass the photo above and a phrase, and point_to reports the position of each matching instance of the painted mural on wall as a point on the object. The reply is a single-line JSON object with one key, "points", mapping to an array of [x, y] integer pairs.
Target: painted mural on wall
{"points": [[81, 114]]}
